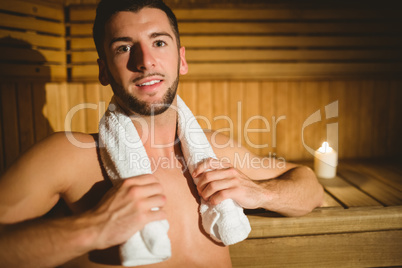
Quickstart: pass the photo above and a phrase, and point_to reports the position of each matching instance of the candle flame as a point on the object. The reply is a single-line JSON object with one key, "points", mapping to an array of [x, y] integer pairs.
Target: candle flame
{"points": [[325, 148]]}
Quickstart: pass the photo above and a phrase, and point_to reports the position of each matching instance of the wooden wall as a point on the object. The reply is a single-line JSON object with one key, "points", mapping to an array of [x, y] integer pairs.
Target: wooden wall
{"points": [[261, 70], [32, 42], [263, 43]]}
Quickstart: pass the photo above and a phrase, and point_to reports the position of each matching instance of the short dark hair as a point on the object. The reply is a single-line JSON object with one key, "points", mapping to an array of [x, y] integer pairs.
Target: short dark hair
{"points": [[107, 8]]}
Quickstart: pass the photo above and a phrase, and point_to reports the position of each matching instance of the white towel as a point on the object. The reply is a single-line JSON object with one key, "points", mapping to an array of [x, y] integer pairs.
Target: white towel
{"points": [[120, 143]]}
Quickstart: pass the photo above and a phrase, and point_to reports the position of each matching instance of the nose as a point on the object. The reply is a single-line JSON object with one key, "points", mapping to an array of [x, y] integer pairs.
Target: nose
{"points": [[141, 58]]}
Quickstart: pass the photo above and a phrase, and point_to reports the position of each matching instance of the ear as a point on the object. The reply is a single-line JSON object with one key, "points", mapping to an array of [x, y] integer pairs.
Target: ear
{"points": [[183, 62], [103, 73]]}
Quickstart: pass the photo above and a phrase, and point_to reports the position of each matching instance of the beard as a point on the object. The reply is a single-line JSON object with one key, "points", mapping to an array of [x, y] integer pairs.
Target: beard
{"points": [[142, 107]]}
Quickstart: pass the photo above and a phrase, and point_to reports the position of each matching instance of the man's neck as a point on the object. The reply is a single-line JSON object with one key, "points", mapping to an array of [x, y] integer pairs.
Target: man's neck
{"points": [[158, 133]]}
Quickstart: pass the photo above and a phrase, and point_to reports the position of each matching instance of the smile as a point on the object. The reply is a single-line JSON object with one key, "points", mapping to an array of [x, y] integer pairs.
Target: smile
{"points": [[150, 83]]}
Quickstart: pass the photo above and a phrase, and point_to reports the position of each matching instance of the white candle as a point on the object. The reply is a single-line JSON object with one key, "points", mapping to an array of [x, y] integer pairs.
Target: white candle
{"points": [[325, 161]]}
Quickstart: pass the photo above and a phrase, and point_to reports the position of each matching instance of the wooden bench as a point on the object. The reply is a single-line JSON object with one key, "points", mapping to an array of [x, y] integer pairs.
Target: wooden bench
{"points": [[359, 225]]}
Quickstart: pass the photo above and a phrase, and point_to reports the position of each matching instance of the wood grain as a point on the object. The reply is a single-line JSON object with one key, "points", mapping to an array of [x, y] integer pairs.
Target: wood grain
{"points": [[10, 123], [385, 194], [25, 116], [33, 9], [331, 250], [326, 221]]}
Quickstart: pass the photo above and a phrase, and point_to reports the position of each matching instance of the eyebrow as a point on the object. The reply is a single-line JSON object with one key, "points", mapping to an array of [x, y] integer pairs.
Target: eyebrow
{"points": [[157, 34], [128, 39], [120, 39]]}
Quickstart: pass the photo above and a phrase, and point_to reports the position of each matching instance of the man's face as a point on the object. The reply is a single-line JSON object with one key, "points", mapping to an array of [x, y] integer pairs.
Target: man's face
{"points": [[143, 62]]}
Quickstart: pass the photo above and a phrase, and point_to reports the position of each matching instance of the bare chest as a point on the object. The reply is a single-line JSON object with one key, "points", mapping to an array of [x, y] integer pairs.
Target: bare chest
{"points": [[182, 206]]}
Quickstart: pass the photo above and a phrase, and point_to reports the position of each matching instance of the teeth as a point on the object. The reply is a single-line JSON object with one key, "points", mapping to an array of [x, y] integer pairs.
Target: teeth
{"points": [[150, 83]]}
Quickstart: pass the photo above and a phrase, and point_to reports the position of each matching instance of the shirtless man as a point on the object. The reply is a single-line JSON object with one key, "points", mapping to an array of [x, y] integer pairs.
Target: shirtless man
{"points": [[135, 47]]}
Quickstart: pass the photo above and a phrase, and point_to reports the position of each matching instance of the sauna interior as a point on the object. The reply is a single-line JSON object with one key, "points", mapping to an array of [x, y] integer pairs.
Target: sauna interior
{"points": [[279, 77], [257, 71]]}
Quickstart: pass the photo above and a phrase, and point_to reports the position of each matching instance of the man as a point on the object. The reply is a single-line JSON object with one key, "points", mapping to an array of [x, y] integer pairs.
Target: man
{"points": [[141, 57]]}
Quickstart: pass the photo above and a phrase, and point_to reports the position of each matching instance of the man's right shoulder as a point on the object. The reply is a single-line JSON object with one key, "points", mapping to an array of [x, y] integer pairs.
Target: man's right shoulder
{"points": [[46, 171], [63, 145], [56, 157]]}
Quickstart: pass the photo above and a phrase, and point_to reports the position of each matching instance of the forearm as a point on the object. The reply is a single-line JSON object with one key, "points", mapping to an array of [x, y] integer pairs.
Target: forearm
{"points": [[45, 243], [294, 193]]}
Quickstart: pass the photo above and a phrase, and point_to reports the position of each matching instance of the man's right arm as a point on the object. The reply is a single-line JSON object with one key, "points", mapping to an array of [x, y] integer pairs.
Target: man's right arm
{"points": [[32, 187]]}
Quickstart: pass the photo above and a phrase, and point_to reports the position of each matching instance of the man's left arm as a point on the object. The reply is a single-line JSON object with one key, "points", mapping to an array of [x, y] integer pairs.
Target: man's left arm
{"points": [[257, 182]]}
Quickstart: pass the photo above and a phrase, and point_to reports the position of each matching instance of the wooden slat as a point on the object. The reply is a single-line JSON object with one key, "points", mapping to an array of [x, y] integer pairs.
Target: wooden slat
{"points": [[326, 221], [28, 72], [106, 94], [78, 13], [236, 103], [189, 95], [344, 120], [347, 194], [209, 41], [265, 70], [233, 27], [279, 41], [394, 128], [82, 13], [36, 39], [2, 156], [274, 14], [391, 165], [204, 103], [379, 171], [32, 24], [312, 133], [366, 110], [380, 119], [330, 202], [385, 194], [283, 28], [10, 122], [32, 55], [75, 99], [295, 121], [278, 70], [251, 117], [211, 55], [53, 106], [41, 124], [282, 119], [25, 116], [367, 249], [34, 9], [267, 110], [220, 106], [92, 116], [228, 55], [330, 95]]}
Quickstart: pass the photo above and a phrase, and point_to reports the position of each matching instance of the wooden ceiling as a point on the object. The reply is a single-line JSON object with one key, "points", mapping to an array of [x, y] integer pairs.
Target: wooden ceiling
{"points": [[241, 3]]}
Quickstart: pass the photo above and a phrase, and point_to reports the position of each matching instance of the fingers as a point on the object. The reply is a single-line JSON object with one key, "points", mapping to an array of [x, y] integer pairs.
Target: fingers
{"points": [[146, 192], [128, 207], [210, 176], [216, 188]]}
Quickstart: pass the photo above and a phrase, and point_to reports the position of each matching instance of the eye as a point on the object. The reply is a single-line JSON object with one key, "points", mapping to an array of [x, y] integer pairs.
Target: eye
{"points": [[160, 43], [123, 49]]}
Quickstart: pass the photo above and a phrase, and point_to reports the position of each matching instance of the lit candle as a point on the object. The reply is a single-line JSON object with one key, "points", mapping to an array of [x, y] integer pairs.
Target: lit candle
{"points": [[325, 161]]}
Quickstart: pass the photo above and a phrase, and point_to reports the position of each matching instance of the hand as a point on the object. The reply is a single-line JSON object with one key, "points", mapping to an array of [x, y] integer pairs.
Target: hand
{"points": [[217, 181], [127, 208]]}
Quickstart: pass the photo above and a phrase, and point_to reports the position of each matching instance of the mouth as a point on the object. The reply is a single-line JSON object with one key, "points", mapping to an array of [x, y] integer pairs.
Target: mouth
{"points": [[149, 83]]}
